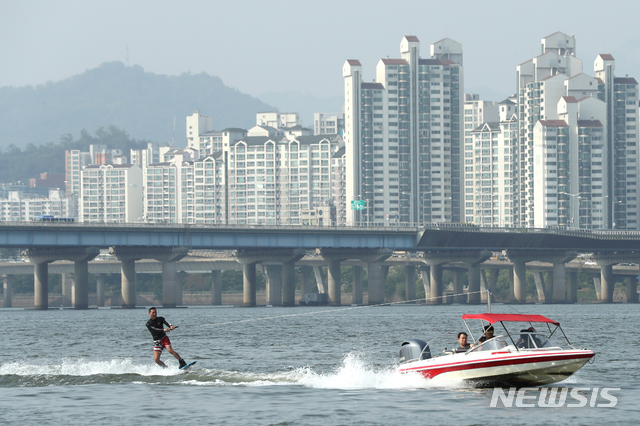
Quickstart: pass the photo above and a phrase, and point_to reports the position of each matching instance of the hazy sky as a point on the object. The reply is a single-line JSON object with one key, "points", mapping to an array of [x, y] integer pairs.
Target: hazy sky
{"points": [[276, 46]]}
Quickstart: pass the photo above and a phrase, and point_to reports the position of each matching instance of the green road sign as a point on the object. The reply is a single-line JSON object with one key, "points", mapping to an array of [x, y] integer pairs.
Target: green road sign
{"points": [[357, 204]]}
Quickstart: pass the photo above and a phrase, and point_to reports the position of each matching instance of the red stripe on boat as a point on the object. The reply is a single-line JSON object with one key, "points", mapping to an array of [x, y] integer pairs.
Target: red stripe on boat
{"points": [[430, 372]]}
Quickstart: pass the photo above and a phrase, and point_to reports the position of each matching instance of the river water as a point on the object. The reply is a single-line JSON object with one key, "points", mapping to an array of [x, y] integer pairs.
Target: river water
{"points": [[283, 366]]}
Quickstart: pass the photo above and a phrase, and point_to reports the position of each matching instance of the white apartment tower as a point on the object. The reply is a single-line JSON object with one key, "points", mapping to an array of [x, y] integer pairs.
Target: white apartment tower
{"points": [[186, 189], [577, 147], [111, 193], [403, 137], [621, 97], [477, 111], [271, 180], [197, 124], [328, 123], [490, 163]]}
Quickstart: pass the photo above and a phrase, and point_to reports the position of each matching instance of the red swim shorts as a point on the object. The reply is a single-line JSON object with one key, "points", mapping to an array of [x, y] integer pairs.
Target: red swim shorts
{"points": [[158, 345]]}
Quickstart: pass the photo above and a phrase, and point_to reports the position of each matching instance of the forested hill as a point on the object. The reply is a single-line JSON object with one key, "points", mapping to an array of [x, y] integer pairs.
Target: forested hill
{"points": [[21, 164], [142, 103]]}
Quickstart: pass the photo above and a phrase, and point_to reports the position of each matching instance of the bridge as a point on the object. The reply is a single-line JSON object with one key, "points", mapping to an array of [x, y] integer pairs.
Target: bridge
{"points": [[280, 248]]}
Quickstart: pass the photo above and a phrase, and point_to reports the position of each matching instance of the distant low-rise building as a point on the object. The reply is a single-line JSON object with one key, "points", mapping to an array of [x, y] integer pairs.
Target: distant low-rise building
{"points": [[24, 206]]}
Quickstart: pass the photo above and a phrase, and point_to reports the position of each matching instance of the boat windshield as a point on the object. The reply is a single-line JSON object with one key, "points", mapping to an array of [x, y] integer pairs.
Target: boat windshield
{"points": [[534, 340], [523, 341], [495, 344]]}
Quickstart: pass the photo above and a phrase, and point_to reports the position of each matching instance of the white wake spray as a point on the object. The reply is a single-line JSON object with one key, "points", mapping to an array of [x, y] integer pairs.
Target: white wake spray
{"points": [[82, 367]]}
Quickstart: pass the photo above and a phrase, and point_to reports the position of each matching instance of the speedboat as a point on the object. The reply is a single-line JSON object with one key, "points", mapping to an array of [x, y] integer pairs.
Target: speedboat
{"points": [[518, 358]]}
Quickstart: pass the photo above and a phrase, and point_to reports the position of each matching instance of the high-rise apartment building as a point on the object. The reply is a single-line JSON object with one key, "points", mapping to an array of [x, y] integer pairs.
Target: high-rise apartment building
{"points": [[74, 161], [152, 154], [272, 180], [328, 123], [265, 175], [621, 97], [403, 137], [201, 136], [185, 189], [489, 164], [111, 193], [577, 147], [477, 111]]}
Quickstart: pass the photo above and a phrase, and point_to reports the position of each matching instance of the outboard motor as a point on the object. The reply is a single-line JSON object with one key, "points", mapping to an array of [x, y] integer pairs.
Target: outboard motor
{"points": [[413, 350]]}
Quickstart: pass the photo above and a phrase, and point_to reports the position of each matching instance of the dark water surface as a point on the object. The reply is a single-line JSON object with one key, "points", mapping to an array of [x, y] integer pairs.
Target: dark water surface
{"points": [[283, 366]]}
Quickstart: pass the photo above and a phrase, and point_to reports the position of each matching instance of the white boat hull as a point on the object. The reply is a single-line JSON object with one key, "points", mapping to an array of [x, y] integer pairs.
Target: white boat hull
{"points": [[490, 369]]}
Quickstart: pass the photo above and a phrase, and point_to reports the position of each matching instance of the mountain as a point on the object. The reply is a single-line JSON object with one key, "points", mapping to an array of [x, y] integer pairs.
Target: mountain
{"points": [[143, 103]]}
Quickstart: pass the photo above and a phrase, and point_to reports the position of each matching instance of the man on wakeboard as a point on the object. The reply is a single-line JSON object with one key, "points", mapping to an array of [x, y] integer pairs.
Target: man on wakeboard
{"points": [[160, 339]]}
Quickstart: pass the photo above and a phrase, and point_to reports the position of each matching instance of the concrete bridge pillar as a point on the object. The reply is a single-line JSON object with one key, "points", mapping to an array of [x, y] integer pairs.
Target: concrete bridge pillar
{"points": [[41, 286], [375, 271], [333, 282], [7, 290], [384, 274], [169, 284], [320, 280], [127, 257], [357, 285], [180, 281], [42, 257], [100, 290], [541, 286], [410, 284], [424, 274], [519, 280], [607, 283], [554, 290], [374, 278], [67, 289], [458, 286], [274, 284], [305, 281], [289, 283], [171, 280], [597, 285], [559, 283], [488, 283], [286, 259], [512, 296], [435, 278], [128, 283], [473, 258], [474, 284], [249, 284], [572, 287], [632, 289], [216, 287], [81, 284]]}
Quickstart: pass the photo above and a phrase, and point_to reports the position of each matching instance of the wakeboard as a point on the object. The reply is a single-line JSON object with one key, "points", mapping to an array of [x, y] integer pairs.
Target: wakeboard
{"points": [[188, 365]]}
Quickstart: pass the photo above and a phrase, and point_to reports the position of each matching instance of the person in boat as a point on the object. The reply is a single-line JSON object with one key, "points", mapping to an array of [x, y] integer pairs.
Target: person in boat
{"points": [[160, 339], [524, 342], [462, 339], [488, 334]]}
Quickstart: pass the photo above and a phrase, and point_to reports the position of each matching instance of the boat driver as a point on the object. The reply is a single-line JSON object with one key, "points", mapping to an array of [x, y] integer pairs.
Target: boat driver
{"points": [[462, 338], [488, 333]]}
